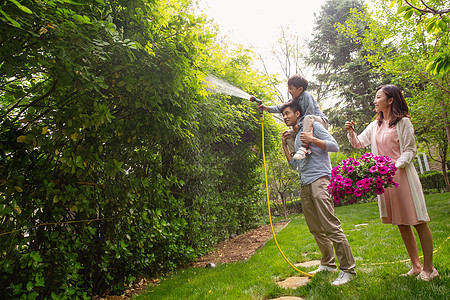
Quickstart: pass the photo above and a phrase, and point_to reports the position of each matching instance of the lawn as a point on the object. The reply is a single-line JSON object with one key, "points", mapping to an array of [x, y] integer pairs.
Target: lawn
{"points": [[377, 248]]}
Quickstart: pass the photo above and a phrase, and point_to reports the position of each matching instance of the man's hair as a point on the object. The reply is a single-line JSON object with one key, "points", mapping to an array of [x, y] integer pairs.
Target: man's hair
{"points": [[298, 81], [294, 106]]}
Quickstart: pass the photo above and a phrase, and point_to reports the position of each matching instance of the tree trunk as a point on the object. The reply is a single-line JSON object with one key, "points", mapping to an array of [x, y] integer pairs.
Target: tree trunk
{"points": [[444, 168], [283, 200], [447, 130], [445, 117]]}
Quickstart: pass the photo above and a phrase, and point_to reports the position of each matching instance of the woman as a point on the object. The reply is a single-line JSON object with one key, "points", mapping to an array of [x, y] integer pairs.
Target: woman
{"points": [[392, 134]]}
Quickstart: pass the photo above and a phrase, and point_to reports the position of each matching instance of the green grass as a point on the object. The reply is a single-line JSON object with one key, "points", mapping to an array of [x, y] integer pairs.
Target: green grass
{"points": [[371, 244]]}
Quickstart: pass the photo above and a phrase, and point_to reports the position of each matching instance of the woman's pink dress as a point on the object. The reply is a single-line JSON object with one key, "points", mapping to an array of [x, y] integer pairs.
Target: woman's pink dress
{"points": [[399, 203]]}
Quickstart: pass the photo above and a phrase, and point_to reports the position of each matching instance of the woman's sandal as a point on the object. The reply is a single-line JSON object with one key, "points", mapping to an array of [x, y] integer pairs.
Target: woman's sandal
{"points": [[428, 276], [411, 273]]}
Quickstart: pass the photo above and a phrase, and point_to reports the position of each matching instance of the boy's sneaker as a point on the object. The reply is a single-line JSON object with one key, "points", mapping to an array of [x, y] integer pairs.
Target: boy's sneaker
{"points": [[323, 268], [343, 278], [301, 153]]}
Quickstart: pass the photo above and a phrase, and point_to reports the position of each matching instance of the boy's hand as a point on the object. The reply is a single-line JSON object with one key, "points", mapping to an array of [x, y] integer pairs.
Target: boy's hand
{"points": [[307, 137], [263, 107]]}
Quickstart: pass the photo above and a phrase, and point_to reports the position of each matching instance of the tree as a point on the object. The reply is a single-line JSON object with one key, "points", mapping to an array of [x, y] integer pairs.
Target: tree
{"points": [[341, 68], [432, 14], [289, 52], [406, 59], [283, 180]]}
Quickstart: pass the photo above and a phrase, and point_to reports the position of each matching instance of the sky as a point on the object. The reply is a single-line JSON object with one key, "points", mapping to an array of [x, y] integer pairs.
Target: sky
{"points": [[257, 23]]}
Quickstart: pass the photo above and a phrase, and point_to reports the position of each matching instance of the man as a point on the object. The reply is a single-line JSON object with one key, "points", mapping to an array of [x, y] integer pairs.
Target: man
{"points": [[318, 207]]}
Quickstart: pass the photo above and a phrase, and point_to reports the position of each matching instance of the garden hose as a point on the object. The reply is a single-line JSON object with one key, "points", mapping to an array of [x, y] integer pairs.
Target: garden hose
{"points": [[261, 116]]}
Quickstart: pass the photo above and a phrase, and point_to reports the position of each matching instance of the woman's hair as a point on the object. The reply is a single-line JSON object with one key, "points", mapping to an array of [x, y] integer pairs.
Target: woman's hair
{"points": [[298, 81], [399, 108]]}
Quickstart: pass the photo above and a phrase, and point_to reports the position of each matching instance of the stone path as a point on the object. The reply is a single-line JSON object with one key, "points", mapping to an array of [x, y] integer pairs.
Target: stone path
{"points": [[295, 282], [308, 264]]}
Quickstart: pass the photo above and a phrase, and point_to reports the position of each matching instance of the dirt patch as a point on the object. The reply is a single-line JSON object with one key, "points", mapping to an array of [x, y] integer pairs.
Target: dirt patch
{"points": [[239, 248]]}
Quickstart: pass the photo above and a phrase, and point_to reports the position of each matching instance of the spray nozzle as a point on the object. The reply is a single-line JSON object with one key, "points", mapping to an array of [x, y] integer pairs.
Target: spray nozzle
{"points": [[259, 102], [253, 99]]}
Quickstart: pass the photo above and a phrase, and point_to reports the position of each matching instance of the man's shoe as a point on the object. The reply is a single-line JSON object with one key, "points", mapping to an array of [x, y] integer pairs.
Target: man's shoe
{"points": [[343, 278], [301, 153], [323, 268]]}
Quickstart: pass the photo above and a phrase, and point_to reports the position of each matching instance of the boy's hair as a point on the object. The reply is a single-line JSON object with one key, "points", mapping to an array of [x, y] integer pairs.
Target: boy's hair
{"points": [[298, 81], [294, 106]]}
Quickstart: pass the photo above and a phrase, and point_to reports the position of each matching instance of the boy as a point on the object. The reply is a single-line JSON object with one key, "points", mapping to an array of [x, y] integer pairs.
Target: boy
{"points": [[309, 109]]}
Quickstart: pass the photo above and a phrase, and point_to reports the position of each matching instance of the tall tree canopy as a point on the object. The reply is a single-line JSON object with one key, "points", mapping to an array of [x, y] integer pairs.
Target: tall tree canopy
{"points": [[406, 59], [340, 69]]}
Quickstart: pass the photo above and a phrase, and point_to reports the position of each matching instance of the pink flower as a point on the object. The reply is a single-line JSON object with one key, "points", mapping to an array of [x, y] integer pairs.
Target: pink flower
{"points": [[379, 190], [348, 182], [361, 178], [357, 192], [379, 181], [383, 170]]}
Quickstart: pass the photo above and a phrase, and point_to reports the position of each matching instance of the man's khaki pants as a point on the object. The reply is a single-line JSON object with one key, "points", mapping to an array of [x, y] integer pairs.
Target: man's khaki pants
{"points": [[318, 209]]}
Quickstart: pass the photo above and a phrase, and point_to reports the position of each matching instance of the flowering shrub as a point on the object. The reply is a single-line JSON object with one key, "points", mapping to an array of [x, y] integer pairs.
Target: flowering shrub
{"points": [[366, 176]]}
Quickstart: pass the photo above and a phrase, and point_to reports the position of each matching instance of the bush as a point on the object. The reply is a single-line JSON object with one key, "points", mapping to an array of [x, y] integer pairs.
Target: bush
{"points": [[293, 206], [433, 182], [114, 163]]}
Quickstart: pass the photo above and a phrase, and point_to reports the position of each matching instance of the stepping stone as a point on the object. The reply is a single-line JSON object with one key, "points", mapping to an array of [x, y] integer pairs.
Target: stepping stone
{"points": [[294, 282], [363, 224], [307, 264], [289, 298]]}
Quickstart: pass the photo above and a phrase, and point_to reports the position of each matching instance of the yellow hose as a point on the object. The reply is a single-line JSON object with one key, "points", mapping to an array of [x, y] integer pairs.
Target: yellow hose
{"points": [[268, 202]]}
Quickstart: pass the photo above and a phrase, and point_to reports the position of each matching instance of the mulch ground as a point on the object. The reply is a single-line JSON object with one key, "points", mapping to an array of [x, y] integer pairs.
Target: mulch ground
{"points": [[241, 247]]}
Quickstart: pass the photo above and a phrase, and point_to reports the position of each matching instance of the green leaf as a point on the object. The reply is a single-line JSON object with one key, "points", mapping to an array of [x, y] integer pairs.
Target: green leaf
{"points": [[39, 279], [21, 138], [431, 25], [408, 14], [79, 162], [392, 4], [442, 25], [403, 8], [13, 22], [22, 7], [419, 29]]}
